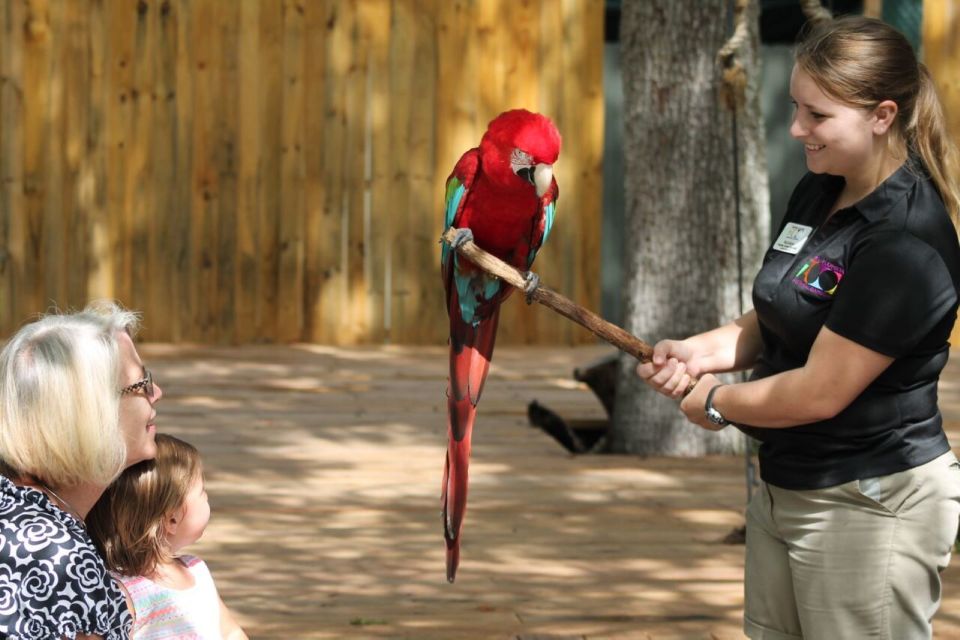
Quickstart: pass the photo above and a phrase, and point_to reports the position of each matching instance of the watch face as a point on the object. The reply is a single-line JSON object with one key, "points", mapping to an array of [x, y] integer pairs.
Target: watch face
{"points": [[714, 416]]}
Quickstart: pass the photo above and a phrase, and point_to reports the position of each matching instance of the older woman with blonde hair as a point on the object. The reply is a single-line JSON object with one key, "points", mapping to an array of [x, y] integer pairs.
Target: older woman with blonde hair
{"points": [[77, 407]]}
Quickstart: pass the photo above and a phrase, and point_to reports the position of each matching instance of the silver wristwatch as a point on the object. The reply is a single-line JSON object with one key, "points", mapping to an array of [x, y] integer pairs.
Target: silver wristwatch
{"points": [[713, 415]]}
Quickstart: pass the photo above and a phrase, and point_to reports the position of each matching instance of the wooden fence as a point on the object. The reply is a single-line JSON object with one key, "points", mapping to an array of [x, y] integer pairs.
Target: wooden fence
{"points": [[267, 170]]}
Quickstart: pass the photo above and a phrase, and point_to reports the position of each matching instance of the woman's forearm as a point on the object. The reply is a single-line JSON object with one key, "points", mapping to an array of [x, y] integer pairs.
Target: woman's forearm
{"points": [[836, 372], [733, 347], [777, 402]]}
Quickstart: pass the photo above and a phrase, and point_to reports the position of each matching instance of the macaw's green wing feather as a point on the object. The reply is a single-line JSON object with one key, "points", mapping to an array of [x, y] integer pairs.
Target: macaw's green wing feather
{"points": [[455, 192]]}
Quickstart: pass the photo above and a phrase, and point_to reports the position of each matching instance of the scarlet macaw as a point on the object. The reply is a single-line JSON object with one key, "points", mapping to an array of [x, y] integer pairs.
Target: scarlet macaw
{"points": [[502, 195]]}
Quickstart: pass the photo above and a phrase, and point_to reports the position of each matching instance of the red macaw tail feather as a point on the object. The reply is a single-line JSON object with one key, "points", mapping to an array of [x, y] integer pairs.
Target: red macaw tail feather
{"points": [[470, 351], [455, 476]]}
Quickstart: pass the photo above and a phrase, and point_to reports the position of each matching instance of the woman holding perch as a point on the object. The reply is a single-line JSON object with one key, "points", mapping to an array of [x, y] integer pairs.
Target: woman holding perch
{"points": [[853, 309]]}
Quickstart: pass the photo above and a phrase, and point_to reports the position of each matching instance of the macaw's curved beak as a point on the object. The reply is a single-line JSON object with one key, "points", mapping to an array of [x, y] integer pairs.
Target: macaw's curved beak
{"points": [[542, 178]]}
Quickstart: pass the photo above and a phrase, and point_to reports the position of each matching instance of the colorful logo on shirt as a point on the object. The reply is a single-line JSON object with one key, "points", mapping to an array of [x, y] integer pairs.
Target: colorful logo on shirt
{"points": [[818, 276]]}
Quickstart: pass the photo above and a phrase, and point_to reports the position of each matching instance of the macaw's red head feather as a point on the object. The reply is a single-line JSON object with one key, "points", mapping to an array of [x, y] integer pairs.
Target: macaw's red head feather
{"points": [[519, 149], [530, 132]]}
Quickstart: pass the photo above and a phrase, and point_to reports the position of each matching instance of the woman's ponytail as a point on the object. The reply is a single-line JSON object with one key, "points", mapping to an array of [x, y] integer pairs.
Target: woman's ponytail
{"points": [[927, 130]]}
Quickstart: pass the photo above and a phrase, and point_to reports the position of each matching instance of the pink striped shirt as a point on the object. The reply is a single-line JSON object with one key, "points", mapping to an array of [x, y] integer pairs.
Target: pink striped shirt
{"points": [[162, 613]]}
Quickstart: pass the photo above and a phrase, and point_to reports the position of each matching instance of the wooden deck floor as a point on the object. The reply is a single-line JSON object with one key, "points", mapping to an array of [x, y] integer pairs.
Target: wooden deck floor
{"points": [[324, 468]]}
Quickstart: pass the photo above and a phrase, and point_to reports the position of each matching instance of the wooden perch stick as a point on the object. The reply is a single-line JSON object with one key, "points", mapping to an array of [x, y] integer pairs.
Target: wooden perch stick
{"points": [[587, 319]]}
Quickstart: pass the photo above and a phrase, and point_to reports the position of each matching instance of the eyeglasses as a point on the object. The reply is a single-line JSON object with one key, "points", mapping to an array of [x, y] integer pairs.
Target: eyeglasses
{"points": [[146, 384]]}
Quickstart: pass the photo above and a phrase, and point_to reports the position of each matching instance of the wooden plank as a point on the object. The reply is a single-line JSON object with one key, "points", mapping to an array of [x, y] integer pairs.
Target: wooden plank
{"points": [[404, 78], [314, 92], [458, 128], [140, 203], [199, 280], [248, 296], [204, 177], [12, 201], [269, 205], [355, 323], [521, 24], [586, 107], [100, 269], [57, 218], [426, 202], [77, 178], [118, 53], [290, 274], [182, 283], [226, 135], [493, 49], [332, 292], [375, 20], [165, 244], [36, 97]]}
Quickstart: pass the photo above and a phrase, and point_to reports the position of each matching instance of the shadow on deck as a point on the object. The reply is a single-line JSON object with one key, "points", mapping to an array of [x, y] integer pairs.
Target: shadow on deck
{"points": [[324, 467]]}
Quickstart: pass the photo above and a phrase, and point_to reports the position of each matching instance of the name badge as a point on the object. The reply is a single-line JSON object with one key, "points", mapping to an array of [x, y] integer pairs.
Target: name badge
{"points": [[792, 238]]}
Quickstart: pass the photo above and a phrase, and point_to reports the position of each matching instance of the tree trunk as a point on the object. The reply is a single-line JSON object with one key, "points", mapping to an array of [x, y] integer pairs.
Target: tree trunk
{"points": [[687, 270]]}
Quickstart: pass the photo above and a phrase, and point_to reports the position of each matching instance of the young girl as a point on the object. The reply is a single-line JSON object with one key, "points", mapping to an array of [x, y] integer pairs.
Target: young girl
{"points": [[140, 524]]}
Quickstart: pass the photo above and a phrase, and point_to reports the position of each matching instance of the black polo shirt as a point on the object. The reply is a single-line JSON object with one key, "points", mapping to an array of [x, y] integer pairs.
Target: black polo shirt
{"points": [[885, 274]]}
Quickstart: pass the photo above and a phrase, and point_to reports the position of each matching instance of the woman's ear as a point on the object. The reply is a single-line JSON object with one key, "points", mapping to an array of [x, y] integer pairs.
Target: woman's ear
{"points": [[884, 115]]}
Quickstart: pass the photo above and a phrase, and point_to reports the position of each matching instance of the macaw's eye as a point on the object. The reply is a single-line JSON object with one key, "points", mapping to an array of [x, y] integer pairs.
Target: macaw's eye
{"points": [[519, 159]]}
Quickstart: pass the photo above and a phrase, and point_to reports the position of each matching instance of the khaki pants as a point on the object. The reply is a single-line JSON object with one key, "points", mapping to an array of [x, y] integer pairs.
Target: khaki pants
{"points": [[859, 560]]}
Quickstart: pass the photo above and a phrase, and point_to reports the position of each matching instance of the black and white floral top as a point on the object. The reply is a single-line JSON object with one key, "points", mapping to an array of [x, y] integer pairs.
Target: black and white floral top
{"points": [[53, 583]]}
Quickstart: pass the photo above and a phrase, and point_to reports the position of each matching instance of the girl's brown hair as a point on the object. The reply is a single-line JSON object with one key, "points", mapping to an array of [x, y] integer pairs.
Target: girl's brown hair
{"points": [[863, 61], [127, 523]]}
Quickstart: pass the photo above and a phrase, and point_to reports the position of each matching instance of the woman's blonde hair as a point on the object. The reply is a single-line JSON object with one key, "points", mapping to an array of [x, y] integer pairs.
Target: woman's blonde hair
{"points": [[127, 522], [863, 61], [59, 397]]}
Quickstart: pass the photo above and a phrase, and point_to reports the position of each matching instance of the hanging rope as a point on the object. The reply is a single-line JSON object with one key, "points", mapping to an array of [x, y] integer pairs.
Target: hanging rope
{"points": [[733, 88], [733, 92], [815, 11]]}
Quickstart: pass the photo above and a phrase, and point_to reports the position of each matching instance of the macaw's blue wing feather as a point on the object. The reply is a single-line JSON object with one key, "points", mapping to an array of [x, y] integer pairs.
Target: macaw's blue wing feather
{"points": [[475, 289], [548, 212], [548, 209]]}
